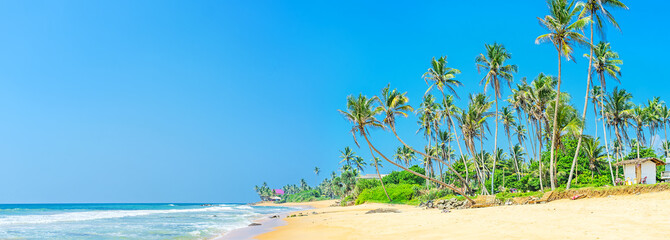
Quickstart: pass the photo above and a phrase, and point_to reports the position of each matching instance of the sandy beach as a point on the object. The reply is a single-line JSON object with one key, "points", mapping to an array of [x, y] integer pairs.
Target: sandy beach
{"points": [[644, 216]]}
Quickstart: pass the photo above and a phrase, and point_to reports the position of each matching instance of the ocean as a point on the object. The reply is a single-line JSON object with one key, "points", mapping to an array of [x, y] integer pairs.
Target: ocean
{"points": [[126, 221]]}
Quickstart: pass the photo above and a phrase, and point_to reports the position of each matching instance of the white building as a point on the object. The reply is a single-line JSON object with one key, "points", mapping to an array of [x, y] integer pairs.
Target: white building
{"points": [[640, 170], [371, 176]]}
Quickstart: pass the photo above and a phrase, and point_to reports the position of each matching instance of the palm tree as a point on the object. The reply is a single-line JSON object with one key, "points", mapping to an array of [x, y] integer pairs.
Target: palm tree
{"points": [[639, 119], [494, 65], [361, 112], [595, 9], [518, 156], [509, 121], [394, 103], [317, 170], [359, 164], [594, 152], [563, 33], [665, 147], [654, 117], [348, 156], [617, 110], [568, 124], [605, 63], [404, 155], [539, 93], [472, 122], [442, 76], [598, 95]]}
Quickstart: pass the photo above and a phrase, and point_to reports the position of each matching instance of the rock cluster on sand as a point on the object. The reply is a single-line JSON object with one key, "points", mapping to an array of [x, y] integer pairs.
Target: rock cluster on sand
{"points": [[443, 204]]}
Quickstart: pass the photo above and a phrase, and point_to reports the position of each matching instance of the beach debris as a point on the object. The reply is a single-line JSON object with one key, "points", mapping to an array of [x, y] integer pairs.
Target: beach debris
{"points": [[383, 210], [254, 224], [315, 213], [274, 216], [578, 196], [446, 211]]}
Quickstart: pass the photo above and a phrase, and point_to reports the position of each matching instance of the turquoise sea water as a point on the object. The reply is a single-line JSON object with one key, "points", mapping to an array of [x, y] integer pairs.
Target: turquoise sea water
{"points": [[125, 221]]}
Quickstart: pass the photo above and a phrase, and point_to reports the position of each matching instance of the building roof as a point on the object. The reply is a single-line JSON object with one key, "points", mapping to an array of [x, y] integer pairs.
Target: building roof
{"points": [[640, 160], [370, 176], [279, 191]]}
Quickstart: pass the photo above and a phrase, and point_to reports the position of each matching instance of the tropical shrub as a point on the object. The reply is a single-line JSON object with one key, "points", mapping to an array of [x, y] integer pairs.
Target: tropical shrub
{"points": [[404, 177], [399, 193]]}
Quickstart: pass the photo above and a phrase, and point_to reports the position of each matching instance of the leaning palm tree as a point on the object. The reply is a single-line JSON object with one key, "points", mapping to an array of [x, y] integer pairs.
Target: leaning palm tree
{"points": [[377, 164], [394, 103], [496, 70], [605, 64], [361, 112], [563, 33]]}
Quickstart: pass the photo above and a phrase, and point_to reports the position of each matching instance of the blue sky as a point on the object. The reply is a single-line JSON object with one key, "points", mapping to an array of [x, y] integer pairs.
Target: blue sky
{"points": [[184, 101]]}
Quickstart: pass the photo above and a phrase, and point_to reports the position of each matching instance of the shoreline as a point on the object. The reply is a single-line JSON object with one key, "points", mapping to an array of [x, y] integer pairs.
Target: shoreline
{"points": [[268, 224], [611, 217]]}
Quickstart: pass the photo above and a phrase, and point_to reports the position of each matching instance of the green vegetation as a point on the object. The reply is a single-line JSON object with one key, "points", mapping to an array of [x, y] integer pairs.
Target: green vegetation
{"points": [[400, 193]]}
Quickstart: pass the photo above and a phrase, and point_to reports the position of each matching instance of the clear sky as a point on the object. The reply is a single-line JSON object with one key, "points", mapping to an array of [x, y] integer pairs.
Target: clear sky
{"points": [[198, 101]]}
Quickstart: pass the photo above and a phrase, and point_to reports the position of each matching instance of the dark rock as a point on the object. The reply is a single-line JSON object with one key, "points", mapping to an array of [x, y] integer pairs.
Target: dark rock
{"points": [[254, 224]]}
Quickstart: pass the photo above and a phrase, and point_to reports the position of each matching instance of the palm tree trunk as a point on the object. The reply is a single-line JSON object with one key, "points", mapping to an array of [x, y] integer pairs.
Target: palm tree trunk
{"points": [[379, 175], [586, 103], [413, 172], [459, 149], [554, 130], [426, 155], [609, 159], [539, 152], [516, 162], [665, 130], [495, 144]]}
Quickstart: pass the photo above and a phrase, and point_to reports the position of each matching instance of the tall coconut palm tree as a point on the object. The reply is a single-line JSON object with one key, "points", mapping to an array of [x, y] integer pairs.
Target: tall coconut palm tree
{"points": [[508, 120], [654, 121], [563, 33], [605, 63], [361, 112], [472, 122], [348, 156], [594, 152], [598, 94], [441, 76], [496, 70], [317, 170], [596, 12], [617, 110], [517, 155], [540, 92], [568, 123]]}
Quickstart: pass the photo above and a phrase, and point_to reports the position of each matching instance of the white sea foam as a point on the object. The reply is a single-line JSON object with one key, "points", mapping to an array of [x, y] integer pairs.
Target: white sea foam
{"points": [[93, 215]]}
